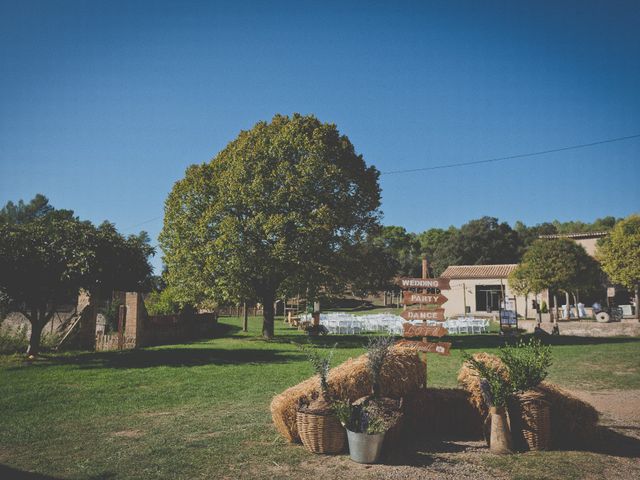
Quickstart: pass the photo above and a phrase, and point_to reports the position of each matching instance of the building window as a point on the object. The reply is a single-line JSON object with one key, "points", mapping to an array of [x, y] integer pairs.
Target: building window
{"points": [[488, 298]]}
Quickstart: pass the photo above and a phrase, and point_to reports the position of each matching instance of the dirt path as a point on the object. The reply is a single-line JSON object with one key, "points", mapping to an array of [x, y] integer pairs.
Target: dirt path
{"points": [[619, 409]]}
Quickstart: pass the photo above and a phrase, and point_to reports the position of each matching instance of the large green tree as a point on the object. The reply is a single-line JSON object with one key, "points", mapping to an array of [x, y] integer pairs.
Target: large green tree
{"points": [[483, 241], [285, 208], [48, 255], [619, 255], [558, 264], [402, 247]]}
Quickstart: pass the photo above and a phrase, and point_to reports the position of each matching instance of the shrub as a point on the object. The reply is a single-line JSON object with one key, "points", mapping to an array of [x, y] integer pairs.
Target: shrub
{"points": [[111, 316], [13, 341], [377, 352], [359, 418], [544, 308], [321, 363], [163, 303], [527, 362]]}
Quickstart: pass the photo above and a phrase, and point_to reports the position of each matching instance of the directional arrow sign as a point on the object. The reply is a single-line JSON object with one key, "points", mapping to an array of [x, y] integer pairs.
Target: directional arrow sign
{"points": [[441, 347], [411, 330], [411, 298], [441, 283], [436, 314]]}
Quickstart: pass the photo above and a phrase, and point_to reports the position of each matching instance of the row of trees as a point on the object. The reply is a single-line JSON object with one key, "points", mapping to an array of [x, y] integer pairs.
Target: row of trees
{"points": [[481, 241], [48, 255]]}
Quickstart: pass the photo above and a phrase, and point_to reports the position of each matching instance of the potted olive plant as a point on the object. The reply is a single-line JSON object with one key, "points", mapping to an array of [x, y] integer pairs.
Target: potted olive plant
{"points": [[318, 426], [528, 365], [496, 390]]}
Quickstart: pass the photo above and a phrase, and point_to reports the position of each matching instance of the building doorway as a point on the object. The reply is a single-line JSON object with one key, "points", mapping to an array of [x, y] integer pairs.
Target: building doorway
{"points": [[488, 298]]}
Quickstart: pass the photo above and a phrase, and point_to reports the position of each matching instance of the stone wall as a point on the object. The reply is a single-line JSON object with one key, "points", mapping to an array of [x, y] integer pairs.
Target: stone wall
{"points": [[587, 328]]}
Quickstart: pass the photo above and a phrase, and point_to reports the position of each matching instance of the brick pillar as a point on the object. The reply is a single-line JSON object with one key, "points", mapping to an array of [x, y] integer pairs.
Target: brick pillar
{"points": [[86, 339], [136, 313]]}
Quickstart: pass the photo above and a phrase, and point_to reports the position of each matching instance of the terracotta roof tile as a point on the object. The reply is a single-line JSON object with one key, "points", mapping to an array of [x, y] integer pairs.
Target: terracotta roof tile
{"points": [[479, 271]]}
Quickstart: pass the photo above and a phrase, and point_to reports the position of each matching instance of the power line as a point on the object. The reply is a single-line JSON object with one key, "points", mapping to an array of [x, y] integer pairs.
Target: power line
{"points": [[475, 162], [511, 157], [143, 223]]}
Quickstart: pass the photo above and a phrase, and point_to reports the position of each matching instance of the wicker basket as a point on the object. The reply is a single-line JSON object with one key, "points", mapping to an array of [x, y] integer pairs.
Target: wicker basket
{"points": [[532, 420], [321, 433]]}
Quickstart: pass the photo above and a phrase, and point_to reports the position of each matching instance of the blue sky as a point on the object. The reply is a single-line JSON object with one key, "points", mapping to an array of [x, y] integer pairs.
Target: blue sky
{"points": [[103, 104]]}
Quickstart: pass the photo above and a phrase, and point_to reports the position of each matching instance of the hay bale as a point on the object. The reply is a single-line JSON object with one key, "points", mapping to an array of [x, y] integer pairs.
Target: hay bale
{"points": [[443, 413], [403, 373], [573, 422], [469, 380]]}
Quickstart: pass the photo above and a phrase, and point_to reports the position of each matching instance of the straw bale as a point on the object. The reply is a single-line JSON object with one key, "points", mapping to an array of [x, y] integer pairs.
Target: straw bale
{"points": [[469, 380], [403, 373], [443, 413], [573, 422]]}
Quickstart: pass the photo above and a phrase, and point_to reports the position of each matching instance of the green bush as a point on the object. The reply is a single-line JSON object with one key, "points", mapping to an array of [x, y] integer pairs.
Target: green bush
{"points": [[359, 418], [527, 362], [13, 340], [162, 303], [111, 316]]}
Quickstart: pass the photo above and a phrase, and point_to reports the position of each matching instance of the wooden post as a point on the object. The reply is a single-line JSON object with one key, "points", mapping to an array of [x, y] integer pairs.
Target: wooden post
{"points": [[122, 314], [245, 320], [464, 298]]}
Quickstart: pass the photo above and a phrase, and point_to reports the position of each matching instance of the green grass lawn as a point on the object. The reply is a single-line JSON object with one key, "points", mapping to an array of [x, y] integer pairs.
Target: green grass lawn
{"points": [[201, 410]]}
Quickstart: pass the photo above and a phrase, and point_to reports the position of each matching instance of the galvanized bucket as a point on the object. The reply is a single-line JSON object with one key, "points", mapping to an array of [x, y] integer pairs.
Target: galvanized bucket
{"points": [[364, 448]]}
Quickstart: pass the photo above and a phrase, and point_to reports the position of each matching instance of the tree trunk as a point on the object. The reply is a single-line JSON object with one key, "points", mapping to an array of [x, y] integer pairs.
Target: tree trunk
{"points": [[36, 333], [575, 304], [245, 320], [566, 296], [268, 315], [637, 300]]}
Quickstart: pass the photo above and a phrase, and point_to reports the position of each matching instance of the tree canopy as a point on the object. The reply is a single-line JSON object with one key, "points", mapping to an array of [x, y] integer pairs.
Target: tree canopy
{"points": [[48, 255], [619, 253], [556, 264], [285, 208], [402, 247]]}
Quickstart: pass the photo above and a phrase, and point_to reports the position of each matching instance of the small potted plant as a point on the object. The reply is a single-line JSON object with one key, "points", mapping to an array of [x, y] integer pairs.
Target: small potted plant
{"points": [[496, 390], [528, 365], [366, 426], [369, 419], [318, 426]]}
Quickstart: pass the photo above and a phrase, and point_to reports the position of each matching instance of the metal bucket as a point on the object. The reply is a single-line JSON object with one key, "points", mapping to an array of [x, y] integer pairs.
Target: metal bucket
{"points": [[364, 448]]}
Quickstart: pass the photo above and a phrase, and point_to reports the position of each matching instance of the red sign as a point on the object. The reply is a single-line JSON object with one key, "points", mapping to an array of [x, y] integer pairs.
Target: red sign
{"points": [[436, 314], [440, 283], [441, 348], [411, 298], [411, 330]]}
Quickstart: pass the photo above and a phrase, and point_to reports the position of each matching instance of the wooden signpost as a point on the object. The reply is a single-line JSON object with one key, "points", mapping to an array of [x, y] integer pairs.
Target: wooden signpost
{"points": [[431, 288], [441, 347], [411, 298], [439, 283], [436, 314], [411, 330]]}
